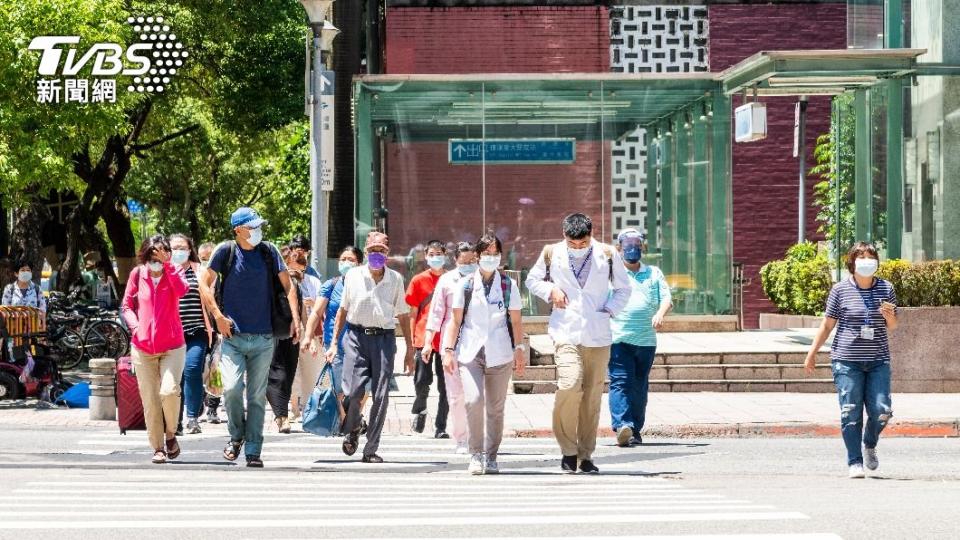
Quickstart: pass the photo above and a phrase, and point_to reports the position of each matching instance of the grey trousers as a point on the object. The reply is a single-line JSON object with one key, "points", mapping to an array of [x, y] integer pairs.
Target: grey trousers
{"points": [[485, 397], [367, 359]]}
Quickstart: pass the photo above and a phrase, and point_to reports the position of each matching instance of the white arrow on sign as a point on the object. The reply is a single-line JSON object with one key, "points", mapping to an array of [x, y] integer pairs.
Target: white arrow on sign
{"points": [[324, 82], [459, 150]]}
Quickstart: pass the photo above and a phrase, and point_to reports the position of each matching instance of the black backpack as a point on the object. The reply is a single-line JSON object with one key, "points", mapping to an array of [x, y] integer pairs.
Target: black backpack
{"points": [[505, 289], [280, 315]]}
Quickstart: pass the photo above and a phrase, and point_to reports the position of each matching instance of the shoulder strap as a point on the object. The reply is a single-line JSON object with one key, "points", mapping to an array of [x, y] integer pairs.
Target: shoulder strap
{"points": [[506, 289], [609, 253], [231, 246], [467, 282]]}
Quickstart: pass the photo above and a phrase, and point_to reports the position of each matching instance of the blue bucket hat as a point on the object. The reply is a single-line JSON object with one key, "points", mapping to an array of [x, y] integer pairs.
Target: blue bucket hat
{"points": [[246, 217]]}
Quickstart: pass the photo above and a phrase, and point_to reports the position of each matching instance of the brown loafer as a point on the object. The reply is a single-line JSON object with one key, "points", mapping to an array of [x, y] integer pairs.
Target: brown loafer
{"points": [[173, 448]]}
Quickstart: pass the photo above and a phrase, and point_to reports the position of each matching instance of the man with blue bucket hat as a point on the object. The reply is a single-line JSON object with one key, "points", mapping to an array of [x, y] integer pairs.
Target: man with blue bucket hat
{"points": [[249, 318]]}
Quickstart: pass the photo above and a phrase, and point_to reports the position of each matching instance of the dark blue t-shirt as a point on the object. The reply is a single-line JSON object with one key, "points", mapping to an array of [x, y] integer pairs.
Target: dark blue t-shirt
{"points": [[855, 308], [246, 292]]}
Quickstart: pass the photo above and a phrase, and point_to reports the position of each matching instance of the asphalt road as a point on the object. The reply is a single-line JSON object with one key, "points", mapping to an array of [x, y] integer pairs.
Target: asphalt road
{"points": [[82, 483]]}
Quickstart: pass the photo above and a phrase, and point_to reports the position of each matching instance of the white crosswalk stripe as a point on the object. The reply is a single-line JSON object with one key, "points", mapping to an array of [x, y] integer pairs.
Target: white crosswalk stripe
{"points": [[423, 483]]}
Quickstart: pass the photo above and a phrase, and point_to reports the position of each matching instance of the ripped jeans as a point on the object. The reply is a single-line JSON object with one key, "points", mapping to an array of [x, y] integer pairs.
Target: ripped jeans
{"points": [[862, 385]]}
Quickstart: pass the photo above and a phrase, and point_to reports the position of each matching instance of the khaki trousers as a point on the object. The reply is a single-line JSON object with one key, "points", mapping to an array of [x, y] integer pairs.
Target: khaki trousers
{"points": [[485, 397], [158, 377], [581, 372]]}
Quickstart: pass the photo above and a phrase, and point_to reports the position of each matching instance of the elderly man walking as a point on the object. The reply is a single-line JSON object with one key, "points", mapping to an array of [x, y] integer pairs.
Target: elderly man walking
{"points": [[586, 283]]}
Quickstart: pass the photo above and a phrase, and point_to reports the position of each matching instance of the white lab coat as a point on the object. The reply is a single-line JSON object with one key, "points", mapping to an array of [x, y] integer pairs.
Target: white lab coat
{"points": [[584, 321], [485, 325]]}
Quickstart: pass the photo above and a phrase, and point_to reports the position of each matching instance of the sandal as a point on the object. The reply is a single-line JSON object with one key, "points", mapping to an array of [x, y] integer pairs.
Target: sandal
{"points": [[350, 444], [232, 451], [173, 448], [159, 457], [254, 462]]}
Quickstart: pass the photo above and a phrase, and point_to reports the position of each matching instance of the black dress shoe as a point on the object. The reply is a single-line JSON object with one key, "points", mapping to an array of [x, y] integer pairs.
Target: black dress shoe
{"points": [[418, 422], [569, 464], [441, 434], [372, 458], [587, 466], [636, 440], [350, 443]]}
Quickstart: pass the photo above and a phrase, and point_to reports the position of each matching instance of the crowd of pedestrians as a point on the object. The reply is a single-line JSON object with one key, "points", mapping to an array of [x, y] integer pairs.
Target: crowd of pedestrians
{"points": [[276, 323]]}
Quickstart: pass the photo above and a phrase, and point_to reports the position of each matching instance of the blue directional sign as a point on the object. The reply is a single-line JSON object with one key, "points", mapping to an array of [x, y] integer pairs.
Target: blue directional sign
{"points": [[512, 151], [134, 206]]}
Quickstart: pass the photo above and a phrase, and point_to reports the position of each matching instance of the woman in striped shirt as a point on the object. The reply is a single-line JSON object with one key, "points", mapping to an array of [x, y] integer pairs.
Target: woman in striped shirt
{"points": [[863, 309], [197, 332]]}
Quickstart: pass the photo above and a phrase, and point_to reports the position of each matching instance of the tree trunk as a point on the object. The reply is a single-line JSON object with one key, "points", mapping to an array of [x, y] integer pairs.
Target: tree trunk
{"points": [[347, 16], [116, 217], [4, 232], [28, 220]]}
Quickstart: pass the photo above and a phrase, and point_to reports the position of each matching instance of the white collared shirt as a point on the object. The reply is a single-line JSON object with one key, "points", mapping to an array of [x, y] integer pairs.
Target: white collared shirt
{"points": [[485, 325], [371, 304]]}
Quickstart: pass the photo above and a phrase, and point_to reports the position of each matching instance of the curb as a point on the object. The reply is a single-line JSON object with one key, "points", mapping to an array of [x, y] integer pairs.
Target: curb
{"points": [[919, 429]]}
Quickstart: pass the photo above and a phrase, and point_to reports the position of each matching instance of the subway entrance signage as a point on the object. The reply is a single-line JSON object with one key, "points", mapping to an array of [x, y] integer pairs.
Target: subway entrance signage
{"points": [[553, 151]]}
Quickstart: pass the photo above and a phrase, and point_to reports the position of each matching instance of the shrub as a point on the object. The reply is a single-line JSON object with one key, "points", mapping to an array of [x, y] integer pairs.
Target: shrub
{"points": [[933, 283], [799, 283]]}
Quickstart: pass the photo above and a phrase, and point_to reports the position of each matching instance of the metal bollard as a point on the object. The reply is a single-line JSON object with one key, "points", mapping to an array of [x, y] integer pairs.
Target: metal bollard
{"points": [[103, 402]]}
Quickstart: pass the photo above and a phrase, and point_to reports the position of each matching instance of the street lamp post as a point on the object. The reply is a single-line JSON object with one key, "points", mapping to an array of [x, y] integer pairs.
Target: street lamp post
{"points": [[323, 35]]}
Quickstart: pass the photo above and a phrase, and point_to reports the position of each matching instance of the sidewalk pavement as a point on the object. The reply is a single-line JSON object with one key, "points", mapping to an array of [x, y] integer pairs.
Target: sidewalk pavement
{"points": [[670, 415]]}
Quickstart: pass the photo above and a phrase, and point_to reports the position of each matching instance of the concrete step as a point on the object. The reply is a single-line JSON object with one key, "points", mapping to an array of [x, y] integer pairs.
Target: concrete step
{"points": [[818, 385]]}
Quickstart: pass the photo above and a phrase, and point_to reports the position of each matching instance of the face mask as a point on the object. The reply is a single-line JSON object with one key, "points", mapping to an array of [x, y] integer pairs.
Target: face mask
{"points": [[436, 262], [866, 267], [631, 252], [155, 266], [256, 236], [489, 263], [377, 260], [204, 264], [179, 256], [346, 266], [467, 269], [25, 276], [579, 252]]}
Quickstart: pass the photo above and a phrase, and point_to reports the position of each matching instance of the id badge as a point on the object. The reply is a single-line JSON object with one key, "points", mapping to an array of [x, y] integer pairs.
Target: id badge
{"points": [[866, 332]]}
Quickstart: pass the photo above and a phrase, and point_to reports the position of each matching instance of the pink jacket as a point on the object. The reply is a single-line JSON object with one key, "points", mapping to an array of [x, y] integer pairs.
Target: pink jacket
{"points": [[153, 312]]}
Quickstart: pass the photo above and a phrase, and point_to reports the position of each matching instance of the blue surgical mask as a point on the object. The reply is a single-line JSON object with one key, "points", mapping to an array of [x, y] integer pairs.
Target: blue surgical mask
{"points": [[578, 252], [25, 276], [467, 269], [489, 263], [256, 236], [436, 261], [346, 266], [155, 266], [179, 256]]}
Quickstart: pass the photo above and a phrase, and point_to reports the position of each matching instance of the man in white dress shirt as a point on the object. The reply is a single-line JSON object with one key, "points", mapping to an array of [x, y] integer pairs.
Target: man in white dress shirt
{"points": [[586, 283]]}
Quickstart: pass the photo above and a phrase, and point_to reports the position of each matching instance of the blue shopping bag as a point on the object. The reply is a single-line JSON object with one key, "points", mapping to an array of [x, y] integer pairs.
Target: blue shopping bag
{"points": [[321, 416]]}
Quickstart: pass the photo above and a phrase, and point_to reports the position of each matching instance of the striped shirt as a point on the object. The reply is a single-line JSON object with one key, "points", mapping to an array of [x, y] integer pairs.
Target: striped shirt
{"points": [[648, 291], [191, 311], [855, 308]]}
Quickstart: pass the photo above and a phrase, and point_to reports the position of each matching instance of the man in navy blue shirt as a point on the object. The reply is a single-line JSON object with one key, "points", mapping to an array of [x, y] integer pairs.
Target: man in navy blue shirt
{"points": [[243, 314]]}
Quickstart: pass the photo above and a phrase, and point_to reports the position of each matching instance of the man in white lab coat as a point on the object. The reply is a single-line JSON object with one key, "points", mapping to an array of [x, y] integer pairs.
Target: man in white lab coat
{"points": [[586, 283]]}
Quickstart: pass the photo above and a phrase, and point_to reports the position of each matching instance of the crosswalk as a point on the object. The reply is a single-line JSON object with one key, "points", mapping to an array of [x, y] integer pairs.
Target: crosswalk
{"points": [[422, 486]]}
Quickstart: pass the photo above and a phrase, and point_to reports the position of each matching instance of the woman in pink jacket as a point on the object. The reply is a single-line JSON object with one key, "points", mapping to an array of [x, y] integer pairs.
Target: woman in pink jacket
{"points": [[151, 309]]}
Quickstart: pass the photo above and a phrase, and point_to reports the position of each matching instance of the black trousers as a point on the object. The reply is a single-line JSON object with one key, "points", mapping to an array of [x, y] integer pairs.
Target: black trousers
{"points": [[423, 379], [280, 379]]}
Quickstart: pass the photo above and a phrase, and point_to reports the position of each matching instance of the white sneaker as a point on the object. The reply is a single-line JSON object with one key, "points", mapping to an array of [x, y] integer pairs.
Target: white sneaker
{"points": [[856, 471], [870, 458], [476, 465], [491, 467], [462, 449]]}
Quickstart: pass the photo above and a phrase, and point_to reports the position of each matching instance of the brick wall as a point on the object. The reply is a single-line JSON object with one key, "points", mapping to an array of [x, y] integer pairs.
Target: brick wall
{"points": [[497, 40], [429, 198], [765, 173]]}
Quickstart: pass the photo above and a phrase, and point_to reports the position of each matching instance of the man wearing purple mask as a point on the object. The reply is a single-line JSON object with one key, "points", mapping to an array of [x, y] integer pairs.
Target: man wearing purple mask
{"points": [[373, 296]]}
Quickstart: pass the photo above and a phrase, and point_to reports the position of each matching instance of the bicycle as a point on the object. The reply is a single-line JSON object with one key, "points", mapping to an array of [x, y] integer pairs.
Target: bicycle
{"points": [[86, 332]]}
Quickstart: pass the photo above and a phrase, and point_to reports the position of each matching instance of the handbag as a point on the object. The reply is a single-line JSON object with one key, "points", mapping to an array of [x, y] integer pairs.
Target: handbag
{"points": [[321, 416], [212, 376]]}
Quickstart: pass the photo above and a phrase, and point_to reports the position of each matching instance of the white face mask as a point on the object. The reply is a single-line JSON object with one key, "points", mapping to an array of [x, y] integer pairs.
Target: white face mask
{"points": [[25, 276], [866, 267], [489, 263], [467, 269], [436, 261], [179, 256], [578, 252], [256, 236], [155, 266]]}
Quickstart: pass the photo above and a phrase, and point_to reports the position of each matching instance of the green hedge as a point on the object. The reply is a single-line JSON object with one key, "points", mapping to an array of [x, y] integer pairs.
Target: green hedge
{"points": [[799, 283], [933, 283]]}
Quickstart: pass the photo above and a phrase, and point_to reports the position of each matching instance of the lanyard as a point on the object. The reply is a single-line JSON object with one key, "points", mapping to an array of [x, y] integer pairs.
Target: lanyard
{"points": [[586, 260], [868, 302]]}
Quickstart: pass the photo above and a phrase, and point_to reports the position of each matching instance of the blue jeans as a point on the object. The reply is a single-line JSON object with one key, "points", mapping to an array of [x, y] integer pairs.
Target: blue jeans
{"points": [[862, 385], [192, 384], [249, 354], [629, 371]]}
